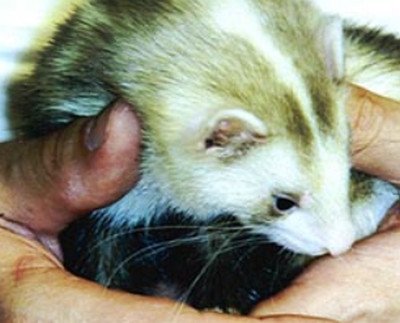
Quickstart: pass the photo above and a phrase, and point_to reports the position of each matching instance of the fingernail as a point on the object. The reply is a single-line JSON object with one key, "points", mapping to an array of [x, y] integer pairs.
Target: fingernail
{"points": [[95, 132], [96, 128]]}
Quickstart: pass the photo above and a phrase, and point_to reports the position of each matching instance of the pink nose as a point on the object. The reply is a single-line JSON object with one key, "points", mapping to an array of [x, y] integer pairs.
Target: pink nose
{"points": [[340, 243], [339, 250]]}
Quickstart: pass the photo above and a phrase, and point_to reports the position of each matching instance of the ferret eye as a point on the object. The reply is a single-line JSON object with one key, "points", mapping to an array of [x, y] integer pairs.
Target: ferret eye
{"points": [[284, 203]]}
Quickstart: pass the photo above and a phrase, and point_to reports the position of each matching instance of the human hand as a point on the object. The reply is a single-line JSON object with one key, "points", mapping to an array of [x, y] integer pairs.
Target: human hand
{"points": [[375, 124], [45, 184], [364, 284], [361, 286]]}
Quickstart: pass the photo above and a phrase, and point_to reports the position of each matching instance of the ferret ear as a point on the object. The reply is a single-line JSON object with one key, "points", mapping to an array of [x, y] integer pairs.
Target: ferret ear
{"points": [[331, 43], [230, 133]]}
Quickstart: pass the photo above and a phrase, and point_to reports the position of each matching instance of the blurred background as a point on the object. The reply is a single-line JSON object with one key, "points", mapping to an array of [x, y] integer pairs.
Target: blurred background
{"points": [[26, 23]]}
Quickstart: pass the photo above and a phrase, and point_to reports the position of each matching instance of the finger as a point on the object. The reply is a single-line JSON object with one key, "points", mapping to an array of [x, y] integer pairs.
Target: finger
{"points": [[35, 288], [295, 319], [375, 123], [307, 297], [363, 284], [46, 182], [391, 221]]}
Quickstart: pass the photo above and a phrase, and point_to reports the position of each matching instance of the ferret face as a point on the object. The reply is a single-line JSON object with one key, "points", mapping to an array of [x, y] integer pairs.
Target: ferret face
{"points": [[253, 125], [294, 191]]}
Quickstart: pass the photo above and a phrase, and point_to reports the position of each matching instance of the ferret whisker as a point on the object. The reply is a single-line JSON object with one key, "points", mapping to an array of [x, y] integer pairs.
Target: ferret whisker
{"points": [[214, 229], [245, 254], [222, 249], [213, 257], [155, 248], [240, 244]]}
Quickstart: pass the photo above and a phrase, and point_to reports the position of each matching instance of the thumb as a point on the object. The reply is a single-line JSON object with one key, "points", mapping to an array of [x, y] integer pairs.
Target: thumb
{"points": [[375, 124], [47, 182]]}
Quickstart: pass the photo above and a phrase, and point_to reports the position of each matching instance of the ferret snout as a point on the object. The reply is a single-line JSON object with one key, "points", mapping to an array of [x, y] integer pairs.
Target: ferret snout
{"points": [[340, 240], [313, 229]]}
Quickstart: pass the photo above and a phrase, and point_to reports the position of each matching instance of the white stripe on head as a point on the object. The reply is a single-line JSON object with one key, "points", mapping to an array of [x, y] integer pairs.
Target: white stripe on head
{"points": [[241, 19]]}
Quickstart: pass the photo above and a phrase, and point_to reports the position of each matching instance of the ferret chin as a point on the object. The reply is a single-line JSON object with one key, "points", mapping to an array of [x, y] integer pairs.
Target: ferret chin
{"points": [[245, 166]]}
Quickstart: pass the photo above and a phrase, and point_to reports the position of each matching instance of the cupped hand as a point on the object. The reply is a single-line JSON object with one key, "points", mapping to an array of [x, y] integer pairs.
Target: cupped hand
{"points": [[46, 183], [360, 286]]}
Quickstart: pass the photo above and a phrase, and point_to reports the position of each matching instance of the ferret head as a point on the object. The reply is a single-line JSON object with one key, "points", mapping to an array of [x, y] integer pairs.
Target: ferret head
{"points": [[249, 120]]}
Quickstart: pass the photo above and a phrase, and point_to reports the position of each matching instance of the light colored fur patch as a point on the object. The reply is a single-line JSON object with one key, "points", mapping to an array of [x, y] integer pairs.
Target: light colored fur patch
{"points": [[241, 19], [324, 223], [368, 214]]}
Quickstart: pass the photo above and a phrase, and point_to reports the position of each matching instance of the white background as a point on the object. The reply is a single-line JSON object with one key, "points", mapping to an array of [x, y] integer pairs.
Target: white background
{"points": [[22, 20]]}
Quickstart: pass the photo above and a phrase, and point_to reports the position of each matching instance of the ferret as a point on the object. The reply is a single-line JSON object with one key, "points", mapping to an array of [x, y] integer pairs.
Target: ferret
{"points": [[245, 165]]}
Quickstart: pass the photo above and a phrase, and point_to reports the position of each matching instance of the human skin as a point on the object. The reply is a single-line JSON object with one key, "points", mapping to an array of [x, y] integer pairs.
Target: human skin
{"points": [[375, 124], [46, 183]]}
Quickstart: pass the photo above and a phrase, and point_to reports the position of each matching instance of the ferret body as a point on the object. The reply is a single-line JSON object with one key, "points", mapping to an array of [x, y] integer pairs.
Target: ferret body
{"points": [[245, 169]]}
